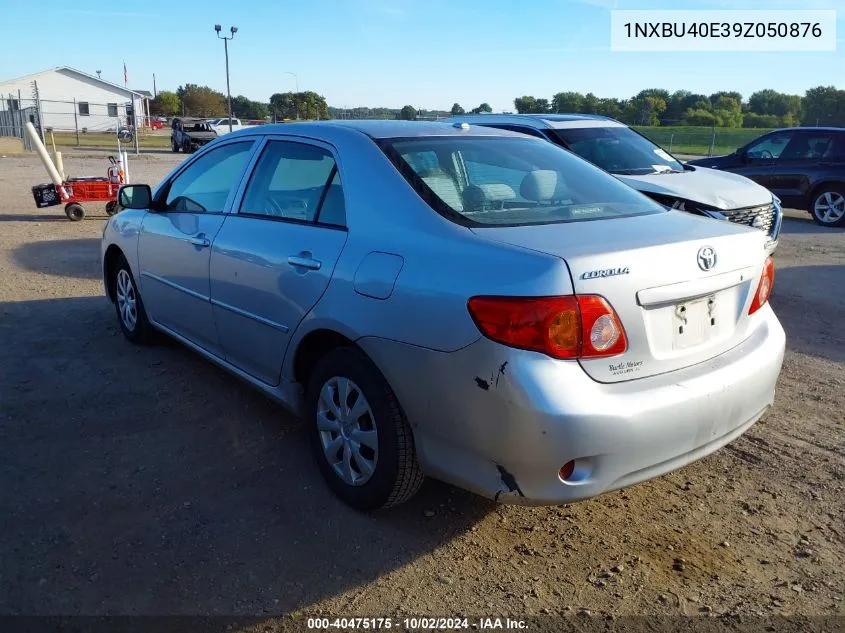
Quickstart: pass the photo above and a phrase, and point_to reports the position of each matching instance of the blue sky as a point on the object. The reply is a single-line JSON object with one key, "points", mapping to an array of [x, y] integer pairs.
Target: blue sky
{"points": [[427, 53]]}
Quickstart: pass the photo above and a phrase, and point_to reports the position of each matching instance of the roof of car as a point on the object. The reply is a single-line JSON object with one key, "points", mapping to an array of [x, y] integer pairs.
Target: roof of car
{"points": [[809, 128], [540, 121], [376, 128]]}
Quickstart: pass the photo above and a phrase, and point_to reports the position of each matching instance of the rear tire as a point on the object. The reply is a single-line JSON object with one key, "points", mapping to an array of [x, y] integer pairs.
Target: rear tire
{"points": [[362, 442], [74, 212], [131, 315], [828, 206], [111, 207]]}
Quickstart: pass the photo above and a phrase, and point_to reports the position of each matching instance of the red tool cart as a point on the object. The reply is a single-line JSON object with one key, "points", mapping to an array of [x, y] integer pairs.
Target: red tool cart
{"points": [[74, 191]]}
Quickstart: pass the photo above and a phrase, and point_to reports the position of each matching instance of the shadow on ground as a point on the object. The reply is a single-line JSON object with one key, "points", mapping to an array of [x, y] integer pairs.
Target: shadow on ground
{"points": [[810, 303], [146, 481], [805, 226], [66, 258]]}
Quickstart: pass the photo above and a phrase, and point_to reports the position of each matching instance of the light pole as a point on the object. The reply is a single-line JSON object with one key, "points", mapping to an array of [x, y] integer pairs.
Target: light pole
{"points": [[233, 30]]}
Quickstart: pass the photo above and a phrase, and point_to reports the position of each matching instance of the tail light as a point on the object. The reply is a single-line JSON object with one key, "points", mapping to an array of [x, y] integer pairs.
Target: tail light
{"points": [[583, 326], [764, 288]]}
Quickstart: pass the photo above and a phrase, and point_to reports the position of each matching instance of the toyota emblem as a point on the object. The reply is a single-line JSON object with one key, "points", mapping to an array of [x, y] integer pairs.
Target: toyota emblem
{"points": [[706, 258]]}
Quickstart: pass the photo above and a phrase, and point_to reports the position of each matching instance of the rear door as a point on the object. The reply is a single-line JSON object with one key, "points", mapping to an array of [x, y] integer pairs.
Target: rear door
{"points": [[173, 247], [273, 259], [791, 177]]}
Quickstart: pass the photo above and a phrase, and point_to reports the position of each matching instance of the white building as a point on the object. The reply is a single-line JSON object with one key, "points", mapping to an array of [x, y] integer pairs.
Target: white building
{"points": [[67, 99]]}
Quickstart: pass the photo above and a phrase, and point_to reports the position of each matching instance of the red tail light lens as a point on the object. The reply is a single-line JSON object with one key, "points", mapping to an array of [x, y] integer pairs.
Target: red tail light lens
{"points": [[764, 288], [562, 327]]}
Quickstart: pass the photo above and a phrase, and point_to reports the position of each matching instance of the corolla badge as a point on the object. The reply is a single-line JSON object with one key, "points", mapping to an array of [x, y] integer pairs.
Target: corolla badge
{"points": [[605, 272], [758, 222], [706, 258]]}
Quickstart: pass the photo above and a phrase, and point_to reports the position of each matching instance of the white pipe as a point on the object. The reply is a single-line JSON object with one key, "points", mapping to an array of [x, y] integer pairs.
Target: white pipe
{"points": [[60, 167], [42, 153], [126, 167]]}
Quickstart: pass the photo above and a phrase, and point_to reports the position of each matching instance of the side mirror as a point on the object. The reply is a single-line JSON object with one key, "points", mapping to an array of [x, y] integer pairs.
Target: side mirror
{"points": [[135, 196]]}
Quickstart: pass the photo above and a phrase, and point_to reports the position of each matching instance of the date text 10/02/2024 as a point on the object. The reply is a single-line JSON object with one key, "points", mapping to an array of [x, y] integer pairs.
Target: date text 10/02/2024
{"points": [[416, 623]]}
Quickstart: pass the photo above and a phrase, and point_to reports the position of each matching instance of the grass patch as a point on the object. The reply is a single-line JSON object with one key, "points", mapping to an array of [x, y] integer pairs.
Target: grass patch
{"points": [[688, 139], [104, 140]]}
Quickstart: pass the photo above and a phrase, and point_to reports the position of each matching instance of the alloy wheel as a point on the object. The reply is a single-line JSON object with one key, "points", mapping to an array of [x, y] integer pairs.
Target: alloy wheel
{"points": [[830, 207]]}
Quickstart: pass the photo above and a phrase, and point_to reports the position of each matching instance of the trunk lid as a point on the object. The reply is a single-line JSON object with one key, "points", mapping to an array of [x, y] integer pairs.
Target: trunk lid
{"points": [[675, 313]]}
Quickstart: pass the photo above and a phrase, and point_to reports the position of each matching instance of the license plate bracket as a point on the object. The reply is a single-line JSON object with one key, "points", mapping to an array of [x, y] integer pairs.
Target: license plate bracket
{"points": [[695, 322]]}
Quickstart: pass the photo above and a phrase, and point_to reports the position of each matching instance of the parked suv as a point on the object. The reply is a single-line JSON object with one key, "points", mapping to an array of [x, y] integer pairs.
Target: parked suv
{"points": [[803, 166], [638, 162]]}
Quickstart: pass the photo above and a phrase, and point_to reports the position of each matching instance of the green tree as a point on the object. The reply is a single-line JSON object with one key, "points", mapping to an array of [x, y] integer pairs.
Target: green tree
{"points": [[457, 109], [308, 106], [752, 119], [568, 102], [531, 105], [728, 111], [484, 107], [166, 103], [244, 108], [201, 101], [612, 108], [591, 104], [699, 117], [407, 113], [648, 106], [824, 105]]}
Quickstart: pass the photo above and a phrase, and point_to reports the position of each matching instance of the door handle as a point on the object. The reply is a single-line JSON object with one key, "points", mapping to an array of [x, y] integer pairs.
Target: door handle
{"points": [[204, 242], [304, 262]]}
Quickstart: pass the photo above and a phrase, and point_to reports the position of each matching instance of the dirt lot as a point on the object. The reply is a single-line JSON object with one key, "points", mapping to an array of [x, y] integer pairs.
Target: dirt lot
{"points": [[147, 481]]}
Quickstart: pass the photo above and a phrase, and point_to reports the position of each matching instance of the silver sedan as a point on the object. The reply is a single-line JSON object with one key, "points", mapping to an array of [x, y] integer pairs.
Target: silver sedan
{"points": [[467, 303]]}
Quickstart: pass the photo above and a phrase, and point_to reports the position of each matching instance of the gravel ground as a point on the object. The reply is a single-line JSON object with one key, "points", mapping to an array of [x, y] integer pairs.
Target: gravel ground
{"points": [[147, 481]]}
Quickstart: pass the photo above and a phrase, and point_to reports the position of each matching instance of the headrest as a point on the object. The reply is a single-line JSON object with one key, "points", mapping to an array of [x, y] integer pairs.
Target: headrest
{"points": [[541, 184]]}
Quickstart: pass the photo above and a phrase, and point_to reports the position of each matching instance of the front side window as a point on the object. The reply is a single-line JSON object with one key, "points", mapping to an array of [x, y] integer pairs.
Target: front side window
{"points": [[83, 108], [206, 184], [769, 147], [511, 181], [618, 150], [295, 181], [112, 109]]}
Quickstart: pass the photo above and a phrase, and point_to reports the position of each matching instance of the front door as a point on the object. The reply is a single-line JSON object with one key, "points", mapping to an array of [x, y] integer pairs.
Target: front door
{"points": [[175, 241], [760, 157], [273, 258]]}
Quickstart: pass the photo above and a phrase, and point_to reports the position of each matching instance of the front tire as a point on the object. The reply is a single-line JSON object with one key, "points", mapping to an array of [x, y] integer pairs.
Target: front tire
{"points": [[362, 442], [129, 306], [828, 206]]}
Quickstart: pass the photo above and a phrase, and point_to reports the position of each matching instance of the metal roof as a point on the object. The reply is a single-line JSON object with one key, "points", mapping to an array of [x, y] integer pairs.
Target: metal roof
{"points": [[540, 121], [378, 128]]}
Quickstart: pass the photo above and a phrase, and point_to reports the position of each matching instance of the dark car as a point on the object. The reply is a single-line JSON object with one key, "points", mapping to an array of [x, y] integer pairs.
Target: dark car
{"points": [[803, 166]]}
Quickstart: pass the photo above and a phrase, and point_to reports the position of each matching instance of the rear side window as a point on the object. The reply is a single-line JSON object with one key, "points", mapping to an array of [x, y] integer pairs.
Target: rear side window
{"points": [[511, 181], [294, 181]]}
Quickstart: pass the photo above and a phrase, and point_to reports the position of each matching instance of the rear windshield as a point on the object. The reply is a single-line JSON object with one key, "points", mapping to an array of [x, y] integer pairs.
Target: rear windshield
{"points": [[618, 150], [511, 181]]}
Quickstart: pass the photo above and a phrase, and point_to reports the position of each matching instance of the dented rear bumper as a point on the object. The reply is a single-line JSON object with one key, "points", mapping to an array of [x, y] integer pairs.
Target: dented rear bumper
{"points": [[502, 422]]}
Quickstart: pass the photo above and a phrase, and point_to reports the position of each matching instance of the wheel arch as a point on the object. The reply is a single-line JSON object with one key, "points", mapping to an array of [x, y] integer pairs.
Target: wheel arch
{"points": [[110, 259], [312, 347], [817, 188]]}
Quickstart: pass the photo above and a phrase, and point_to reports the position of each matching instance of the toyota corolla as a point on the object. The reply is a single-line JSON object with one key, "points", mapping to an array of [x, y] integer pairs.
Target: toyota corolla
{"points": [[467, 303]]}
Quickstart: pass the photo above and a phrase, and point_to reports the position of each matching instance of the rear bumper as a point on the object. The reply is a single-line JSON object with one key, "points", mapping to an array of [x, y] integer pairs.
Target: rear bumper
{"points": [[502, 422]]}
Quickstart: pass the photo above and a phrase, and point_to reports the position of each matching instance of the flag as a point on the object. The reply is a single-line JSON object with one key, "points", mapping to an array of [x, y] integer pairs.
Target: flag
{"points": [[125, 76]]}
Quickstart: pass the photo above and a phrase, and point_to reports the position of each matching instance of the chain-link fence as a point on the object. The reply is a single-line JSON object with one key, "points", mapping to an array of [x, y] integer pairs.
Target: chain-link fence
{"points": [[700, 141]]}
